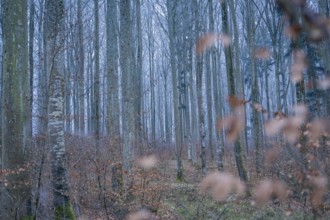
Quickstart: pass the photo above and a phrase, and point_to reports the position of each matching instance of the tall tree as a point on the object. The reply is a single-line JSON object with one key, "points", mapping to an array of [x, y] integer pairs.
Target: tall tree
{"points": [[171, 16], [15, 80], [138, 76], [199, 82], [126, 64], [238, 150], [55, 17], [112, 70], [96, 88], [250, 25], [237, 66], [81, 68]]}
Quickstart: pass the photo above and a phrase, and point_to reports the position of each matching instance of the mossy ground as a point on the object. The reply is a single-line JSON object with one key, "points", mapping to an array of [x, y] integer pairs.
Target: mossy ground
{"points": [[65, 213]]}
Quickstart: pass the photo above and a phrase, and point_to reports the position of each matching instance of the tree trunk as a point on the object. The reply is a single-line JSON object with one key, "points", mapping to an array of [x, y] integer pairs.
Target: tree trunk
{"points": [[255, 86], [81, 69], [177, 131], [238, 150], [96, 88], [126, 64], [15, 80], [199, 79], [112, 69], [55, 65], [238, 75], [138, 78]]}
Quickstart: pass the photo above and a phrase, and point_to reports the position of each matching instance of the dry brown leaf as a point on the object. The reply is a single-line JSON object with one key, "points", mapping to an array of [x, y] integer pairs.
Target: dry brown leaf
{"points": [[279, 115], [258, 107], [323, 84], [291, 131], [221, 185], [263, 191], [301, 111], [299, 66], [147, 162], [236, 102], [319, 182], [272, 155], [225, 39], [232, 125], [293, 31], [268, 189], [262, 53], [317, 128], [320, 188], [140, 215], [275, 126], [205, 42]]}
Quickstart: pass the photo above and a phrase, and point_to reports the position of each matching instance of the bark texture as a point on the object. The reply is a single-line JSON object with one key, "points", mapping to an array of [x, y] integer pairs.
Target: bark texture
{"points": [[15, 80]]}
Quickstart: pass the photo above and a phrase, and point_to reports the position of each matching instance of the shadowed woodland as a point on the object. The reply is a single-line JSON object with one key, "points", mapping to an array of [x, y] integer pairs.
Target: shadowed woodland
{"points": [[164, 109]]}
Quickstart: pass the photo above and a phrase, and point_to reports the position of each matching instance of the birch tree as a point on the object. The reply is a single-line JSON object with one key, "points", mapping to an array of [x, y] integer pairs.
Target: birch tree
{"points": [[199, 82], [55, 14]]}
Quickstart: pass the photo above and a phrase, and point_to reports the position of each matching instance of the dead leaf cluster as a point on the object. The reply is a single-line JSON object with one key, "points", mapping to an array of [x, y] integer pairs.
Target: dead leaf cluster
{"points": [[262, 53], [319, 189], [147, 162], [290, 126], [221, 184], [210, 39], [141, 215], [268, 189], [299, 66]]}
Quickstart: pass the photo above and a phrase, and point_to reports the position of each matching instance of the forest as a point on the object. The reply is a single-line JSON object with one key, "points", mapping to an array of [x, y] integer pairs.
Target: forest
{"points": [[164, 109]]}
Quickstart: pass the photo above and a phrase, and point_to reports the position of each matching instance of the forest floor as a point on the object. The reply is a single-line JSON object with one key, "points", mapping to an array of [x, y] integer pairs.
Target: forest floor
{"points": [[185, 201], [157, 190]]}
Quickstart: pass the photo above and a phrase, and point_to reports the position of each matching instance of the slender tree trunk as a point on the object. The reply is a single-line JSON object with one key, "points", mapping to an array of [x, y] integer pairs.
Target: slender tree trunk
{"points": [[138, 78], [81, 69], [199, 78], [238, 74], [152, 78], [238, 150], [210, 69], [255, 86], [96, 89]]}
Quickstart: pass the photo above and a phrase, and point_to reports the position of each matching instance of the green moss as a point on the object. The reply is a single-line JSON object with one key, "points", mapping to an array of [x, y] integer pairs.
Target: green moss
{"points": [[180, 175], [67, 212], [26, 218]]}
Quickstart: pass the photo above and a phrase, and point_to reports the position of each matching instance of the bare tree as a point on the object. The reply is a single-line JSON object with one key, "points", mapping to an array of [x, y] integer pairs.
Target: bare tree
{"points": [[126, 64], [15, 82], [55, 14]]}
